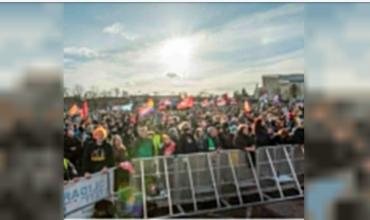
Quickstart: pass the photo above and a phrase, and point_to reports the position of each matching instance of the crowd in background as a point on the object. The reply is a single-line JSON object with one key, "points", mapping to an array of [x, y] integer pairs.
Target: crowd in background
{"points": [[107, 138]]}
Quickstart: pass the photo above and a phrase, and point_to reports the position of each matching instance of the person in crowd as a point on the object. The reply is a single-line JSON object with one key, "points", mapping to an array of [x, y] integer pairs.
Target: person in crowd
{"points": [[70, 171], [212, 141], [120, 153], [73, 148], [263, 137], [169, 146], [298, 132], [98, 154], [86, 140], [156, 138], [245, 141], [187, 142], [199, 137], [143, 146]]}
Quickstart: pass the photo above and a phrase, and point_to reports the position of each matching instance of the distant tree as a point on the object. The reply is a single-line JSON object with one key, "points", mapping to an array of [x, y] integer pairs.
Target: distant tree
{"points": [[124, 93], [244, 93], [117, 91], [89, 94], [78, 91], [65, 92], [236, 95]]}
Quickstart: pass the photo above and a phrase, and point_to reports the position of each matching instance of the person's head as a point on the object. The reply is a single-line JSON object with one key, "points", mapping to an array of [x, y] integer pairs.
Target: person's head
{"points": [[212, 131], [70, 132], [142, 131], [117, 141], [100, 134], [185, 127], [166, 139], [199, 132]]}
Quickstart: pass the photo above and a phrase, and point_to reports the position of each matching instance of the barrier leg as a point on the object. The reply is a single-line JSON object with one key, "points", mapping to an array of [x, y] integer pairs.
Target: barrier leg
{"points": [[143, 189], [169, 197], [235, 179], [256, 178], [213, 180], [188, 168], [274, 172], [293, 171]]}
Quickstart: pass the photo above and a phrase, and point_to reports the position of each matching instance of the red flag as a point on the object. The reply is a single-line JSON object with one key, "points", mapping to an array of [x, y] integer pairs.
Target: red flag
{"points": [[85, 110], [186, 103]]}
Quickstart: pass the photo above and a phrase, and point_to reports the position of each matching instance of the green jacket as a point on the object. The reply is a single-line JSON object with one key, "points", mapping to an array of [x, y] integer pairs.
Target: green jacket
{"points": [[156, 143], [144, 148]]}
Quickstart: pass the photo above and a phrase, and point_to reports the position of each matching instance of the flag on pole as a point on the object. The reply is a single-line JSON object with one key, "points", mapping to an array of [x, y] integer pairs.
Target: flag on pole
{"points": [[85, 110], [147, 108], [186, 103], [74, 110]]}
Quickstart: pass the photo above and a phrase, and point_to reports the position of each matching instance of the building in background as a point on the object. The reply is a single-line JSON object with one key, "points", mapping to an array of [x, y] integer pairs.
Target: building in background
{"points": [[288, 85]]}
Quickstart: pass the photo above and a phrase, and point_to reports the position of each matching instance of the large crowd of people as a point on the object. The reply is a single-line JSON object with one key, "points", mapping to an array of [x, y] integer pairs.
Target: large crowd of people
{"points": [[104, 139]]}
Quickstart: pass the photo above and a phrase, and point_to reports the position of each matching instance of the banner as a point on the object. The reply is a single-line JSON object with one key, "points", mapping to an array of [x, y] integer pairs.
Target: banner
{"points": [[126, 108], [86, 192]]}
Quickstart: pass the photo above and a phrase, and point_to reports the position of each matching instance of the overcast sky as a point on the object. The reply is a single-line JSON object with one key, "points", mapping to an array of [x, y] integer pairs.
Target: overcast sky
{"points": [[171, 47], [337, 48], [31, 36]]}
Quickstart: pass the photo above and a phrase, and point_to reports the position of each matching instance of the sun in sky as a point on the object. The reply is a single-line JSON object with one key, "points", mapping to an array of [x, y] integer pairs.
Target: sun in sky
{"points": [[176, 55]]}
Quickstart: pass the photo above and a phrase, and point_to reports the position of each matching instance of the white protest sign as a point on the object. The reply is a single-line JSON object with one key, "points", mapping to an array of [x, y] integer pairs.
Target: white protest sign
{"points": [[86, 192]]}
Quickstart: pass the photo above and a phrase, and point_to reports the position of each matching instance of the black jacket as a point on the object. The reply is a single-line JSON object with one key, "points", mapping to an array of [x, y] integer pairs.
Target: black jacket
{"points": [[262, 136], [241, 141], [72, 149], [187, 145], [97, 157]]}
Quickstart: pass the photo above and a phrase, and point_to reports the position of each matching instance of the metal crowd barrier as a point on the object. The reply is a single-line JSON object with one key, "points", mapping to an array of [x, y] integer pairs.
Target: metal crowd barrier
{"points": [[192, 184]]}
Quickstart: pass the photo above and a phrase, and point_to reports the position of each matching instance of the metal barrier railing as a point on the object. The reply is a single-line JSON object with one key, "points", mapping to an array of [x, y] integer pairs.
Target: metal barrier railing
{"points": [[191, 184], [222, 179]]}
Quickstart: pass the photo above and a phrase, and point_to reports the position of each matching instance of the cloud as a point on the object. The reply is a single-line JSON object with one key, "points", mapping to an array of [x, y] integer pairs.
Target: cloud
{"points": [[230, 56], [172, 75], [118, 29], [337, 54], [82, 52]]}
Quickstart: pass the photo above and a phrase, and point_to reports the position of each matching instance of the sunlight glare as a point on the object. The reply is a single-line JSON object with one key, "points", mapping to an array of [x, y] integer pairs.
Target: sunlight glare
{"points": [[176, 55]]}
